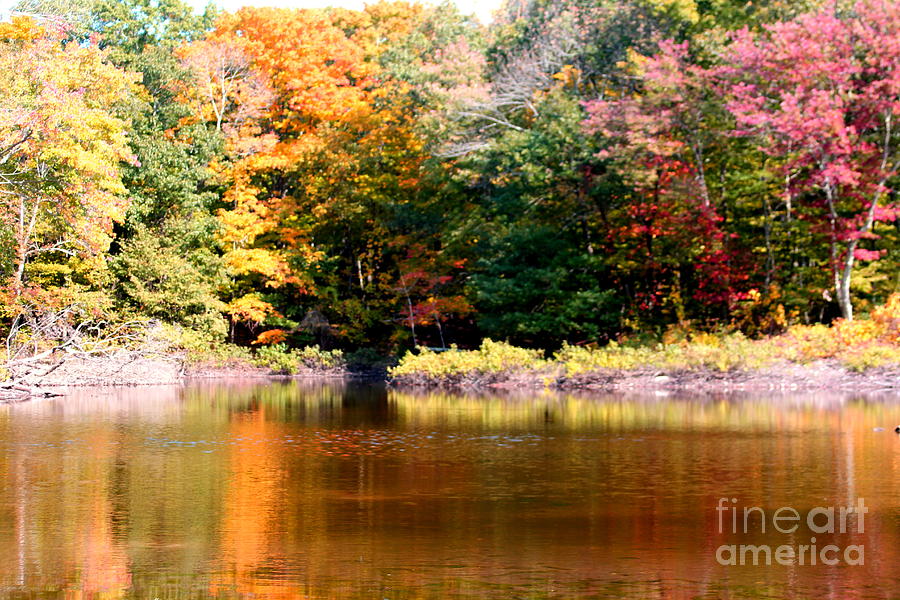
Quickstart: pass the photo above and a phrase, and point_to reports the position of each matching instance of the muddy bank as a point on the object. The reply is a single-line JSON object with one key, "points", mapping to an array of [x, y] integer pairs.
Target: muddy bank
{"points": [[135, 369], [142, 369], [824, 375], [242, 370], [122, 368]]}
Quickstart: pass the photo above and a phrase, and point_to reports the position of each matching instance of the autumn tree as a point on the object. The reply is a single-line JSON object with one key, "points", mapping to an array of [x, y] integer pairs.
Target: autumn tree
{"points": [[61, 143], [672, 116], [224, 89], [426, 287], [532, 174], [332, 164], [668, 141], [822, 91], [166, 253]]}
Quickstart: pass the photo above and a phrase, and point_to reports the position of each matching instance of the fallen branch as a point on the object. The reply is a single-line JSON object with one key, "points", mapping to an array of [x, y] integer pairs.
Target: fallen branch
{"points": [[29, 360]]}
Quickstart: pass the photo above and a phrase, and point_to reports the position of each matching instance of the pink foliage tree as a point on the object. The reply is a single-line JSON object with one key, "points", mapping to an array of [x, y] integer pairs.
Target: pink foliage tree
{"points": [[823, 93], [668, 119], [660, 137]]}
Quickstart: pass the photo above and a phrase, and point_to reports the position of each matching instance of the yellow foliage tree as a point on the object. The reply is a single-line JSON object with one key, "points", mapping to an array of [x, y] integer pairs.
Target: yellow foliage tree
{"points": [[61, 144]]}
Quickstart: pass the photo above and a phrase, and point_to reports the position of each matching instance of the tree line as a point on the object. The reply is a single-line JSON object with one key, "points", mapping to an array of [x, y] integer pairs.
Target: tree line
{"points": [[403, 175]]}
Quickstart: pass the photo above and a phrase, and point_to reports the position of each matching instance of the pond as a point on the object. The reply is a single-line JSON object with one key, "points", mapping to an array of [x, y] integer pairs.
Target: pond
{"points": [[292, 489]]}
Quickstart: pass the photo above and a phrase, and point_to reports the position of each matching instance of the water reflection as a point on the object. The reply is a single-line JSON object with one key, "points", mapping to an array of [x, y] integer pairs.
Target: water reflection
{"points": [[289, 490]]}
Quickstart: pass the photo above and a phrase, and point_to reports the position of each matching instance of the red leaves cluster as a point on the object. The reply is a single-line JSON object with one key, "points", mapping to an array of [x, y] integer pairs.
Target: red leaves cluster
{"points": [[666, 231]]}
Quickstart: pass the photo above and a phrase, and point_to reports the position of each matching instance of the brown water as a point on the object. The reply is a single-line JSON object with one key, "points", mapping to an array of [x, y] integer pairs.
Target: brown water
{"points": [[284, 490]]}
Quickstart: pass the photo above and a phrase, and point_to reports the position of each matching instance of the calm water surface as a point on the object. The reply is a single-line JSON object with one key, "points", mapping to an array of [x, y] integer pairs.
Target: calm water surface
{"points": [[287, 490]]}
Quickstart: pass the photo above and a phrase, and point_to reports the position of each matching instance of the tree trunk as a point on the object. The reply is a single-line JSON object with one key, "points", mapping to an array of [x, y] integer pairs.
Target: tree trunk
{"points": [[24, 230], [18, 278], [841, 272], [412, 322], [842, 289]]}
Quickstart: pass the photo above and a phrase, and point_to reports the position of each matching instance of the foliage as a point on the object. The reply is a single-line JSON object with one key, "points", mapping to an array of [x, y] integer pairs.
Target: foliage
{"points": [[280, 359], [130, 27], [535, 289], [822, 92], [202, 348], [720, 353], [582, 171], [61, 141], [160, 281], [858, 345], [490, 358]]}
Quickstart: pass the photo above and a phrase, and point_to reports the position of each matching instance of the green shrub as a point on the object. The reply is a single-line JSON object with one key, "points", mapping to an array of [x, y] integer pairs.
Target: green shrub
{"points": [[158, 279], [491, 357], [281, 359], [721, 353], [367, 358], [205, 347], [278, 358], [314, 358]]}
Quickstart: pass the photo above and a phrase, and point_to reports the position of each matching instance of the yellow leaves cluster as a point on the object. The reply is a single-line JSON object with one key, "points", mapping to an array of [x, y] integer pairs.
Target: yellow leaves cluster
{"points": [[860, 343], [883, 325], [61, 139], [887, 317], [852, 333], [21, 29], [568, 76], [685, 10], [268, 263], [250, 309], [379, 25], [250, 218]]}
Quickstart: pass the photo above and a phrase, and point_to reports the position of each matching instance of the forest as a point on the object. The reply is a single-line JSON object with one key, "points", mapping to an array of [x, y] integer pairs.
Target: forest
{"points": [[577, 173]]}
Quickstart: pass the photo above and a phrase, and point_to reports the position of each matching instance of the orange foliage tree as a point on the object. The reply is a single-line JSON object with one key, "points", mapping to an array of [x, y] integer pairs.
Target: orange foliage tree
{"points": [[325, 158]]}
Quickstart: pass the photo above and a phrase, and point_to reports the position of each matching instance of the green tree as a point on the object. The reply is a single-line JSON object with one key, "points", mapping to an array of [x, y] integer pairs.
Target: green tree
{"points": [[537, 288], [158, 280], [172, 187]]}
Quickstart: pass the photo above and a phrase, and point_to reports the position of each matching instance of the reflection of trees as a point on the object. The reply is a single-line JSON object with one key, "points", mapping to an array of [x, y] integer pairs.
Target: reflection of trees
{"points": [[95, 510], [103, 563], [60, 535], [614, 412], [651, 471], [325, 492], [250, 530]]}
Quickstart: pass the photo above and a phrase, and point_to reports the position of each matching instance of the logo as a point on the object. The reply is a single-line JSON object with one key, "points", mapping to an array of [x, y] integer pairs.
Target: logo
{"points": [[787, 521]]}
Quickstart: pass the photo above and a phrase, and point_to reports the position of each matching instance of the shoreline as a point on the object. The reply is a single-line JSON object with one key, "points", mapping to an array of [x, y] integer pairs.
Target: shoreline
{"points": [[132, 370], [821, 375]]}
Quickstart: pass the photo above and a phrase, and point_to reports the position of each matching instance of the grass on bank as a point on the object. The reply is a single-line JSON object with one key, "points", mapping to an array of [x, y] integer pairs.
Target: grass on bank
{"points": [[277, 358], [857, 345]]}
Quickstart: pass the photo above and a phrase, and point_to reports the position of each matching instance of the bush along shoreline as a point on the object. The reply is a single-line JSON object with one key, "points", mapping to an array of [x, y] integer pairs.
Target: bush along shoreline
{"points": [[701, 367], [279, 360], [862, 355]]}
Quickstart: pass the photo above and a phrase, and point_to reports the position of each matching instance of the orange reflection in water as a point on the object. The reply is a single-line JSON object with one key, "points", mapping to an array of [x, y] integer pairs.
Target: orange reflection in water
{"points": [[274, 492], [62, 529], [102, 560], [251, 539]]}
